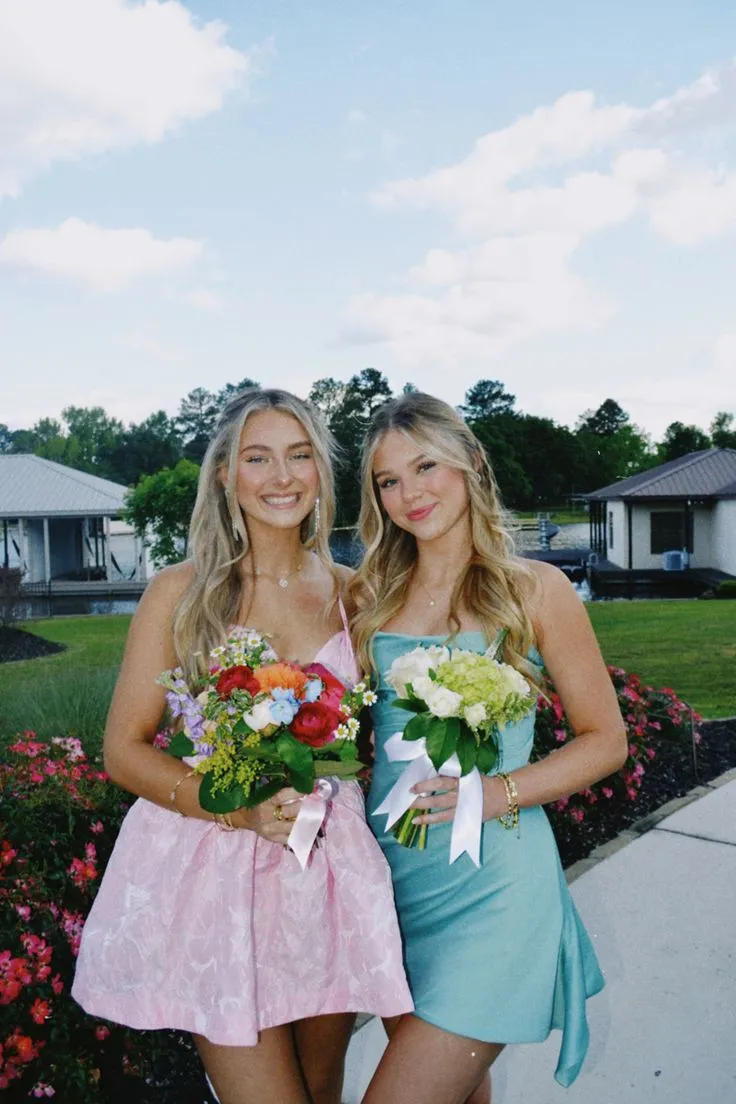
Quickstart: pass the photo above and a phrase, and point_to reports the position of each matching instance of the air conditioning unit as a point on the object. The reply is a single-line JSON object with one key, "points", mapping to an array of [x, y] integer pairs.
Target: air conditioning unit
{"points": [[675, 561]]}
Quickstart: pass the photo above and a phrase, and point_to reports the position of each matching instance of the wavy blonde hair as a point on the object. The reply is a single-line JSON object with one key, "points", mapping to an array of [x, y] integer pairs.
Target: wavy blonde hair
{"points": [[218, 531], [493, 586]]}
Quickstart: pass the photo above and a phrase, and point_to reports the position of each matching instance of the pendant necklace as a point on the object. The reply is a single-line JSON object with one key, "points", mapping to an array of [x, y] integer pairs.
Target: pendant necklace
{"points": [[432, 602], [282, 580]]}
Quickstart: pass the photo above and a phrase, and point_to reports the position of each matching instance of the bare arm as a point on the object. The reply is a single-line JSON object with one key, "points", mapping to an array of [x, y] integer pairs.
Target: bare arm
{"points": [[136, 709], [571, 655]]}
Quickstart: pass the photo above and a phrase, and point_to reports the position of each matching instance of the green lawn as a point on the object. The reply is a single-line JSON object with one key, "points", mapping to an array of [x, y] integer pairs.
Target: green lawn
{"points": [[689, 646]]}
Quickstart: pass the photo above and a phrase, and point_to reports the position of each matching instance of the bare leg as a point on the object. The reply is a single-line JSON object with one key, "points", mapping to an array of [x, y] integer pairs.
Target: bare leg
{"points": [[481, 1094], [268, 1071], [440, 1067], [321, 1045]]}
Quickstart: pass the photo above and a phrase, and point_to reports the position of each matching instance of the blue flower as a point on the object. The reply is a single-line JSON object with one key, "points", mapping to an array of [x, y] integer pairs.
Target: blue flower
{"points": [[283, 710], [313, 690]]}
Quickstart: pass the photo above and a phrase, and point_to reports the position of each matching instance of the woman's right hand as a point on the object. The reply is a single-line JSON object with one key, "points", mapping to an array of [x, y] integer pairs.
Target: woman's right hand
{"points": [[272, 819]]}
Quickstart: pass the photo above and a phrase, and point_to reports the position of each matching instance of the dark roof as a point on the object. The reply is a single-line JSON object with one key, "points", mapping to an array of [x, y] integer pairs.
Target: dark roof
{"points": [[710, 473]]}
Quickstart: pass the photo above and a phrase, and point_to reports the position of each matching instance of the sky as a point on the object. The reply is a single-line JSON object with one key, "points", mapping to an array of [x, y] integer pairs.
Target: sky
{"points": [[446, 190]]}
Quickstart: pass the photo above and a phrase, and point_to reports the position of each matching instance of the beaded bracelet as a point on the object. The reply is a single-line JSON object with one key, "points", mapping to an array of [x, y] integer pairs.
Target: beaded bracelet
{"points": [[172, 795], [510, 819]]}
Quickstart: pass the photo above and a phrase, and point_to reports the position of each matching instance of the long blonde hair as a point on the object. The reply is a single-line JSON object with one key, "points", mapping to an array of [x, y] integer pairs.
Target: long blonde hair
{"points": [[218, 531], [493, 586]]}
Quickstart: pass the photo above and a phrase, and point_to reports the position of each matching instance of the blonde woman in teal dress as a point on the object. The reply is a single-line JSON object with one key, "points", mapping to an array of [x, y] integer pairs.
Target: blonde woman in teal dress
{"points": [[495, 954]]}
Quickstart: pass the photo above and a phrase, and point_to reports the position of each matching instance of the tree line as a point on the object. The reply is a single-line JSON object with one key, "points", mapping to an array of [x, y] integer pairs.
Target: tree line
{"points": [[537, 462]]}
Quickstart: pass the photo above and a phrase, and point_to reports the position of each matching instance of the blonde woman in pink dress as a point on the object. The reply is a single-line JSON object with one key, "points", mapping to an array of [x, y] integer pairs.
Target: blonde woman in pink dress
{"points": [[221, 932]]}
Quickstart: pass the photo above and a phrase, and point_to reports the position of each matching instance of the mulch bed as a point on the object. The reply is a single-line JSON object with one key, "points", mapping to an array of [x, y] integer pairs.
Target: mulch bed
{"points": [[673, 773], [18, 644]]}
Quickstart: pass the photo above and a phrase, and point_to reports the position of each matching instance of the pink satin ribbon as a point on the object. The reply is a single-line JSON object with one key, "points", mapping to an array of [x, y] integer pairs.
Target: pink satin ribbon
{"points": [[310, 818]]}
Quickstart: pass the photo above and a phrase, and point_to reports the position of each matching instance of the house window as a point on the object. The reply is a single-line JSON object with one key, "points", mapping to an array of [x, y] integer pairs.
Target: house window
{"points": [[668, 531], [610, 528]]}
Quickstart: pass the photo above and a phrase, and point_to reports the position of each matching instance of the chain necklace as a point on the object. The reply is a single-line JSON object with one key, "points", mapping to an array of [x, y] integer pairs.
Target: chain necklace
{"points": [[282, 580]]}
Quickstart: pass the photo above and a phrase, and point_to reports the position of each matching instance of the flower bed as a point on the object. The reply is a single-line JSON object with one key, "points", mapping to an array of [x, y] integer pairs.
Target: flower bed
{"points": [[59, 821]]}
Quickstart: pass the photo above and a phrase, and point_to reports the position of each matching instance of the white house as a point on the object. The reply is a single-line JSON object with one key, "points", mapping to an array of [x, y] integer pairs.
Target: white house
{"points": [[60, 523], [685, 506]]}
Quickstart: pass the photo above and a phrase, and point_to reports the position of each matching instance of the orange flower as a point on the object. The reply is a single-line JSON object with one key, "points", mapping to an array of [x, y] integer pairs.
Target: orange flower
{"points": [[281, 676]]}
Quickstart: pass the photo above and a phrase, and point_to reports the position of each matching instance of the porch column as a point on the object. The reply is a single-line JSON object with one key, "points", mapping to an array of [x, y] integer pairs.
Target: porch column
{"points": [[22, 545], [46, 552], [107, 562]]}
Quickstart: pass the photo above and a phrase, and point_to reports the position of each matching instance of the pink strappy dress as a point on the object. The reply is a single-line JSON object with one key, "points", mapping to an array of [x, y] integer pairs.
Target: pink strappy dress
{"points": [[223, 934]]}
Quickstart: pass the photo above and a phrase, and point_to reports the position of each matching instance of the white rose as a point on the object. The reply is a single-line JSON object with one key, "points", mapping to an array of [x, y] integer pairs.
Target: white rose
{"points": [[406, 668], [443, 702], [423, 686], [475, 715], [260, 716], [516, 682]]}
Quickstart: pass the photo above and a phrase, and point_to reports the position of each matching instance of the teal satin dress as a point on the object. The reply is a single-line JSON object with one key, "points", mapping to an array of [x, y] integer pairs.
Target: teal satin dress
{"points": [[496, 953]]}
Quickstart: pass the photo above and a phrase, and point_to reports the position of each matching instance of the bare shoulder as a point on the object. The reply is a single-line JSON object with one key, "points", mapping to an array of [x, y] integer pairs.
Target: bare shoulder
{"points": [[166, 588], [551, 596]]}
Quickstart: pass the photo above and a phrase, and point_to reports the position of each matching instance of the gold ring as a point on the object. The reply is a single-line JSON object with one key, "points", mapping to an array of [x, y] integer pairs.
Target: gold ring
{"points": [[278, 812]]}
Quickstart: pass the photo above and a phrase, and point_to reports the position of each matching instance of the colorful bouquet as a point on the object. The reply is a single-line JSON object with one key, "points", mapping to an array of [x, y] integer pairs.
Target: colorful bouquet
{"points": [[258, 724], [460, 701]]}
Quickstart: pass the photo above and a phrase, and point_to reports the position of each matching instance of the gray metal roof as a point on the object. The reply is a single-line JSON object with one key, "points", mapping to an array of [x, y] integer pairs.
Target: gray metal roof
{"points": [[33, 487], [710, 473]]}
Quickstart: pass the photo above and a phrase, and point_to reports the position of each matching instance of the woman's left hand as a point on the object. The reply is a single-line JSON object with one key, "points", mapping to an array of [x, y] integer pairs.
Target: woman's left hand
{"points": [[438, 796]]}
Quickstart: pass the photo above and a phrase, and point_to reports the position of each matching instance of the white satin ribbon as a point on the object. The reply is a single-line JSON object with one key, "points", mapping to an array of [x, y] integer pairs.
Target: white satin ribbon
{"points": [[309, 819], [466, 827]]}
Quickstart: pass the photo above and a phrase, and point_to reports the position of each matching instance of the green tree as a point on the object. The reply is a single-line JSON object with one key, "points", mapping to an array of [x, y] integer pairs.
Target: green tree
{"points": [[327, 395], [723, 431], [160, 506], [196, 421], [225, 394], [679, 440], [612, 447], [6, 438], [486, 399], [146, 448], [607, 420], [92, 436]]}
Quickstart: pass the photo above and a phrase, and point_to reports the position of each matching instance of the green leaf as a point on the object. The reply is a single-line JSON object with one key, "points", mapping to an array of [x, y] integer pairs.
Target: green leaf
{"points": [[337, 769], [467, 749], [262, 793], [418, 727], [303, 781], [240, 728], [442, 740], [486, 757], [297, 756], [180, 745], [412, 705], [224, 801]]}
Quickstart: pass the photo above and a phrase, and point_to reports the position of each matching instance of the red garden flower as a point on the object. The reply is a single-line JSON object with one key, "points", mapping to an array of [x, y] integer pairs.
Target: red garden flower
{"points": [[333, 691], [315, 723], [236, 678]]}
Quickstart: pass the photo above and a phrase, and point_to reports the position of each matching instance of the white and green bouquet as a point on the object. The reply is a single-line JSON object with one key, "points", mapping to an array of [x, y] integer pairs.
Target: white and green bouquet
{"points": [[460, 701]]}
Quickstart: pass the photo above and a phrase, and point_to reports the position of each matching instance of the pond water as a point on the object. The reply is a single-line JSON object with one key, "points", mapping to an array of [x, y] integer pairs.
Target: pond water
{"points": [[57, 606]]}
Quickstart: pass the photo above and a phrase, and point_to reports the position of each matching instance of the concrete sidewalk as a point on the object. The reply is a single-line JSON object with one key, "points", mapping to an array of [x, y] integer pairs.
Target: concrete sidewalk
{"points": [[662, 914]]}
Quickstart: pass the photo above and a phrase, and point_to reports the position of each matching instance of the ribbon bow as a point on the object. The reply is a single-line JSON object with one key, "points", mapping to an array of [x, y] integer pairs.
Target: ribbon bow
{"points": [[310, 818], [466, 827]]}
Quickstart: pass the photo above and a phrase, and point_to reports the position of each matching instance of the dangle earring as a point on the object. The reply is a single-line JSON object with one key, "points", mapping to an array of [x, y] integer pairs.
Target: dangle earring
{"points": [[316, 516]]}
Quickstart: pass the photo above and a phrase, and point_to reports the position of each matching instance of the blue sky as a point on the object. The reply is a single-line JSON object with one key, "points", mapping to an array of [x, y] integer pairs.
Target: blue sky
{"points": [[542, 193]]}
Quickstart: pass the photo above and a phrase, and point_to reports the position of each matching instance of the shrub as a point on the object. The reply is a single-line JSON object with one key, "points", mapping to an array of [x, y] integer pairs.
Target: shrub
{"points": [[11, 595], [650, 715], [726, 589], [58, 824]]}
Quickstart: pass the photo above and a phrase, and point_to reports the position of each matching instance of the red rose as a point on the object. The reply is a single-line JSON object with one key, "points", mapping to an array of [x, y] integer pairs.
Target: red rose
{"points": [[315, 724], [334, 690], [236, 678]]}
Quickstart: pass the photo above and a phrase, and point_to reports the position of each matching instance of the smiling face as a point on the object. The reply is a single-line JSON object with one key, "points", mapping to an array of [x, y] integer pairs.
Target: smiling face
{"points": [[277, 480], [421, 495]]}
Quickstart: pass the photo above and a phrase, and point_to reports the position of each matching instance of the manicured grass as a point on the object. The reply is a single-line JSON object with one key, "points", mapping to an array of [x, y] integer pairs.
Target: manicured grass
{"points": [[687, 645], [67, 693]]}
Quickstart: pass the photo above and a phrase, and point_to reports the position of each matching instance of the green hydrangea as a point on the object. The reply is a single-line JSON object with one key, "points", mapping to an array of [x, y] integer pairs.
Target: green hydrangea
{"points": [[483, 681]]}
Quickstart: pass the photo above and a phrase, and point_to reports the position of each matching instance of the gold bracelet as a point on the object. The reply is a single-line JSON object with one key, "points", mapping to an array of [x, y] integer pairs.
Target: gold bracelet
{"points": [[172, 795], [224, 822], [510, 819]]}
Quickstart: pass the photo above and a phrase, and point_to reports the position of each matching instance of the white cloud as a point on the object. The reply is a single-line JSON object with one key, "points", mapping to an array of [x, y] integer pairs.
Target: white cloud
{"points": [[150, 346], [85, 76], [205, 300], [513, 276], [102, 260]]}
